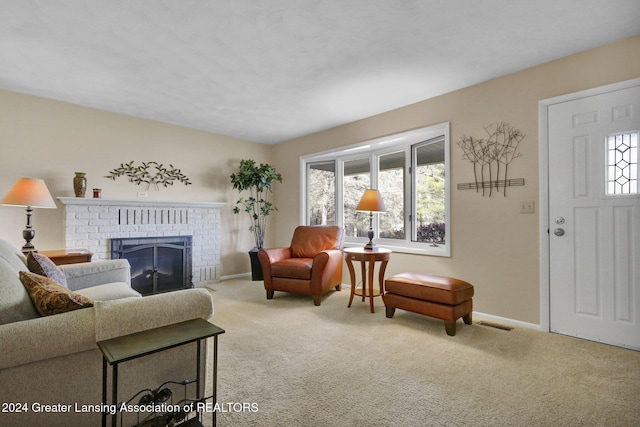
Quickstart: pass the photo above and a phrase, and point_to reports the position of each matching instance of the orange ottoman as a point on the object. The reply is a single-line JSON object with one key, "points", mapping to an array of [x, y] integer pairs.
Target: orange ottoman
{"points": [[444, 298]]}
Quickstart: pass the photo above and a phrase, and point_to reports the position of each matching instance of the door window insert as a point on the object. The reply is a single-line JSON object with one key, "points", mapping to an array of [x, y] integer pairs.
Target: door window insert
{"points": [[622, 164]]}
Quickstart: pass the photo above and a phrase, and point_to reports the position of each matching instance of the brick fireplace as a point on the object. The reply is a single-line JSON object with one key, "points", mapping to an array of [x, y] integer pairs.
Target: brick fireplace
{"points": [[92, 223]]}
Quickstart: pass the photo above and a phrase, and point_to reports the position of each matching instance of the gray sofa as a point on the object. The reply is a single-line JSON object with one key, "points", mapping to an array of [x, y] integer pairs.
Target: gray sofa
{"points": [[54, 360]]}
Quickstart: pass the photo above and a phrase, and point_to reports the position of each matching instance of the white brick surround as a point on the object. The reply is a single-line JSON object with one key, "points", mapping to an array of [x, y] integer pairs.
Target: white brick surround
{"points": [[91, 223]]}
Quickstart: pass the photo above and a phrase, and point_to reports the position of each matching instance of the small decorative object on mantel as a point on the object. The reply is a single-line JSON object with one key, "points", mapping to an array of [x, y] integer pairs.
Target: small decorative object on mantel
{"points": [[141, 174], [79, 184], [97, 193], [492, 156]]}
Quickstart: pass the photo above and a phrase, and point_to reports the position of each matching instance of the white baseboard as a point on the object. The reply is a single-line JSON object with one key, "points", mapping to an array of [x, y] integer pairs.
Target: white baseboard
{"points": [[477, 316], [235, 276], [205, 283]]}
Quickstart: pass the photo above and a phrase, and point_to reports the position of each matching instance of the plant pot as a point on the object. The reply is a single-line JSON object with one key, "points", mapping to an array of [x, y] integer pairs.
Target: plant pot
{"points": [[256, 266]]}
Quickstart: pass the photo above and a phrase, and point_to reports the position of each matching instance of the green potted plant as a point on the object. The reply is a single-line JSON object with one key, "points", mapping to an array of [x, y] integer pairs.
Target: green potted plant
{"points": [[257, 180]]}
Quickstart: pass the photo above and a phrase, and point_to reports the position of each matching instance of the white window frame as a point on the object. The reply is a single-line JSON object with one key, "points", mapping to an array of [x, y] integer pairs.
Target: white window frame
{"points": [[305, 193], [375, 148]]}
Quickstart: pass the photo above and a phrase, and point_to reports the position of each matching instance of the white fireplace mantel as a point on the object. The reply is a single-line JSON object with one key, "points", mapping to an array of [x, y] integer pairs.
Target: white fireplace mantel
{"points": [[137, 203]]}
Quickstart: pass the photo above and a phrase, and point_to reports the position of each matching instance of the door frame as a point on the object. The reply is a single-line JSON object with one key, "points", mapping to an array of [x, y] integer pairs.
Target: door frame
{"points": [[543, 171]]}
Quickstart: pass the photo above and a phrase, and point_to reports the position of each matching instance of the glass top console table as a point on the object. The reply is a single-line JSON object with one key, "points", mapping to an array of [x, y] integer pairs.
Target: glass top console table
{"points": [[128, 347]]}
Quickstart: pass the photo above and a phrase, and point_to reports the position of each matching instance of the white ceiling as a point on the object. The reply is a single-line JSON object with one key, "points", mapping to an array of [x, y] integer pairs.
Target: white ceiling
{"points": [[272, 70]]}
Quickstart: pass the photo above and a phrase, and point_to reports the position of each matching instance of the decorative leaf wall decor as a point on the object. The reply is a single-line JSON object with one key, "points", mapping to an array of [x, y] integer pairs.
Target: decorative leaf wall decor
{"points": [[150, 173], [491, 158]]}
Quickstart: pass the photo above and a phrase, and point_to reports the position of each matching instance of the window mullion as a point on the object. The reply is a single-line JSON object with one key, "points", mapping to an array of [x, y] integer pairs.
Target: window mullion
{"points": [[340, 191], [413, 192], [374, 162], [408, 197]]}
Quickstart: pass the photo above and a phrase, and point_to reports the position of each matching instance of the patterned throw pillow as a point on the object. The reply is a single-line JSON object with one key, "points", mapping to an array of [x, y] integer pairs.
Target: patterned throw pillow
{"points": [[49, 297], [42, 265]]}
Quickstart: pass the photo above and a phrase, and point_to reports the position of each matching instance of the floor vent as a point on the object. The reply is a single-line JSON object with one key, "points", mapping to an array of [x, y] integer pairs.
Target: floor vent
{"points": [[494, 325]]}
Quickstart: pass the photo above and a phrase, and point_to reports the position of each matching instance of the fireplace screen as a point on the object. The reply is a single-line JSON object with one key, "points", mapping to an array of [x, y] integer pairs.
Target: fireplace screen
{"points": [[158, 264]]}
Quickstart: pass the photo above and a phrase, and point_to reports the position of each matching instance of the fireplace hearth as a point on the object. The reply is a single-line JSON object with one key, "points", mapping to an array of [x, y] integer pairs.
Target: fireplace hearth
{"points": [[158, 264]]}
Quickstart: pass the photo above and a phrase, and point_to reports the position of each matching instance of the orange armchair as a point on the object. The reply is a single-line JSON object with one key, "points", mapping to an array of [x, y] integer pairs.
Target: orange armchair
{"points": [[312, 265]]}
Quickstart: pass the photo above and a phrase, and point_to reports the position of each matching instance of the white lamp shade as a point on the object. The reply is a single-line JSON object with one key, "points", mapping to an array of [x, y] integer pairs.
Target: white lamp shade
{"points": [[30, 192], [371, 201]]}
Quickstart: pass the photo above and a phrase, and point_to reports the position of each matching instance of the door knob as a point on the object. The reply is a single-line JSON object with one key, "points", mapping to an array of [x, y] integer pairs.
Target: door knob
{"points": [[558, 232], [559, 220]]}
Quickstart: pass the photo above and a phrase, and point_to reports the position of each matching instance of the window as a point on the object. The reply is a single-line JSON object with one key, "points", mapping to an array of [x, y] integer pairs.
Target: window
{"points": [[411, 172], [429, 192], [391, 180], [321, 194], [622, 164], [356, 178]]}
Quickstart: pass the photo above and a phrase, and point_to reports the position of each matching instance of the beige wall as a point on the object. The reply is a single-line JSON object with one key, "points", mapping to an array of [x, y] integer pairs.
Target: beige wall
{"points": [[493, 246], [52, 140]]}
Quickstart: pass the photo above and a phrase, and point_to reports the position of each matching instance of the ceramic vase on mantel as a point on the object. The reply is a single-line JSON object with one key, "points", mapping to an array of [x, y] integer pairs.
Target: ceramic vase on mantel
{"points": [[80, 184]]}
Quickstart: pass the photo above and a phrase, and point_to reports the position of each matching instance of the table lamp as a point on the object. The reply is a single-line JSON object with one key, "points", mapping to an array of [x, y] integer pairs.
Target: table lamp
{"points": [[30, 193], [371, 202]]}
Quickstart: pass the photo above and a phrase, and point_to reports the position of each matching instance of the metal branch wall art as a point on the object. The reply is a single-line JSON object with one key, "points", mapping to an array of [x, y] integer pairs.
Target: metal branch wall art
{"points": [[491, 158], [149, 173]]}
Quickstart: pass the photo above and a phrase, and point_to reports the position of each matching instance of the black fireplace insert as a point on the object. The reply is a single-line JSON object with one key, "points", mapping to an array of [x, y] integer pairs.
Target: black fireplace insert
{"points": [[158, 264]]}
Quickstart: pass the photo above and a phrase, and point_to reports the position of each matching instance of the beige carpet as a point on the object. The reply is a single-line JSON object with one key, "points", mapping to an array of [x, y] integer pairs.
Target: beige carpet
{"points": [[301, 365]]}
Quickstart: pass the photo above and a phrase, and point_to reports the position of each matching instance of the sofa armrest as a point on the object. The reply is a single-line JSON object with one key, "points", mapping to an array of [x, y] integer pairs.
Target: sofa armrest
{"points": [[327, 267], [275, 254], [59, 335], [88, 274], [268, 257], [127, 316], [47, 337]]}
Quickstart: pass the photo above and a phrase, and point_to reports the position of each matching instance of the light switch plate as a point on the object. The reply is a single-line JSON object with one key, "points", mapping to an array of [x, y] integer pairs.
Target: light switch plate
{"points": [[528, 207]]}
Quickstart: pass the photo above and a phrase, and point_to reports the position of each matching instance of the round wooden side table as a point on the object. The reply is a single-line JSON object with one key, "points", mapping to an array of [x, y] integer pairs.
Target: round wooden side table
{"points": [[367, 256]]}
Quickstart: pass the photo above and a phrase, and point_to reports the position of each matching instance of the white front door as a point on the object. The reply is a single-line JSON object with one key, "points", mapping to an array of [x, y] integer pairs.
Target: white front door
{"points": [[594, 217]]}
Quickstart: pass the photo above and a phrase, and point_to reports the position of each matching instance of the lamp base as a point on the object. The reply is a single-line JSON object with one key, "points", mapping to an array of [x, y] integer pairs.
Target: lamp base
{"points": [[28, 234], [26, 249], [370, 246], [28, 246]]}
